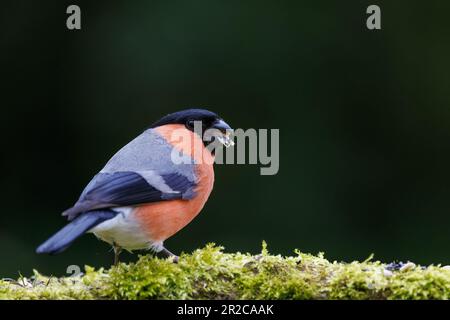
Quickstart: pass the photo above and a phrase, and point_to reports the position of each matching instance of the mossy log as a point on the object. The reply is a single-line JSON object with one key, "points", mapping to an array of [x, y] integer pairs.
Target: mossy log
{"points": [[209, 273]]}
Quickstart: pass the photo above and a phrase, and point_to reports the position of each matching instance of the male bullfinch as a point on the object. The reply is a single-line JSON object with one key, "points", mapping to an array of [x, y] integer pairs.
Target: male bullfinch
{"points": [[145, 194]]}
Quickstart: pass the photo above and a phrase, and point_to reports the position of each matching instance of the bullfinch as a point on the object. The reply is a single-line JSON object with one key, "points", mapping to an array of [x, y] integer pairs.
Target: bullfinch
{"points": [[151, 188]]}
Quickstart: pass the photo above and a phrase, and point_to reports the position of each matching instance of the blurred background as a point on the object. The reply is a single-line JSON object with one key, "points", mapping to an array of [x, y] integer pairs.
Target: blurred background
{"points": [[364, 119]]}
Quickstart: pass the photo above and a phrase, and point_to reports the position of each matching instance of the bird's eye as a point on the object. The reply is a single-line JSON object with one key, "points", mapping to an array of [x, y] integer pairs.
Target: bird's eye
{"points": [[190, 124]]}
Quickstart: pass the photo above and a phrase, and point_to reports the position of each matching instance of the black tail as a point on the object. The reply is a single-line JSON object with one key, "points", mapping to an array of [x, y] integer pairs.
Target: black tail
{"points": [[61, 240]]}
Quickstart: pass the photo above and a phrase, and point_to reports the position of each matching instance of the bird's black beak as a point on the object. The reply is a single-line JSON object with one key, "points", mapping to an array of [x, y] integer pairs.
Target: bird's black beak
{"points": [[221, 125], [224, 132]]}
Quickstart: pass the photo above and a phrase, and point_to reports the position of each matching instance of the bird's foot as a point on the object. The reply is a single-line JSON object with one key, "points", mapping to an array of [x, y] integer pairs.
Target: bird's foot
{"points": [[167, 254], [117, 251]]}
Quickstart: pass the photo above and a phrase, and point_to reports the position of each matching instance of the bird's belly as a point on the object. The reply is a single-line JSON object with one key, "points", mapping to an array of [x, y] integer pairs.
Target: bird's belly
{"points": [[163, 219], [124, 230], [147, 226]]}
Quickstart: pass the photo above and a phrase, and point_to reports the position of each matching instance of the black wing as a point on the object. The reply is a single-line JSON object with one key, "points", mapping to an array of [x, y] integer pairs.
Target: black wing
{"points": [[126, 188]]}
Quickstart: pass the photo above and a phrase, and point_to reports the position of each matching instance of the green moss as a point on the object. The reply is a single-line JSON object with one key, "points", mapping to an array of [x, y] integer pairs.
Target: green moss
{"points": [[431, 283], [357, 281], [209, 273], [41, 287]]}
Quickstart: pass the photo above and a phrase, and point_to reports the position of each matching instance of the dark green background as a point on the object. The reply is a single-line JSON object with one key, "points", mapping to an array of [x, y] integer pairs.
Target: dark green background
{"points": [[364, 119]]}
